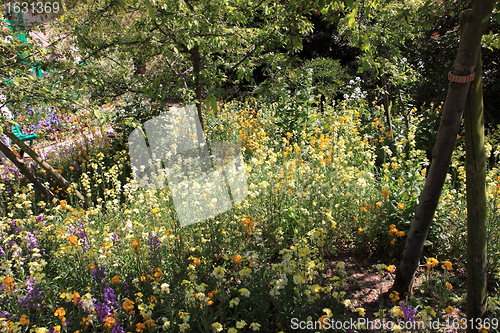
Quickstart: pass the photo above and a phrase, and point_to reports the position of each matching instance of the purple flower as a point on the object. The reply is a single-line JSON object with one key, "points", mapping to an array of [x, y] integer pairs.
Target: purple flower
{"points": [[103, 310], [109, 296], [118, 328], [34, 295], [154, 245], [39, 218], [408, 311], [14, 230], [99, 273], [32, 242], [116, 239]]}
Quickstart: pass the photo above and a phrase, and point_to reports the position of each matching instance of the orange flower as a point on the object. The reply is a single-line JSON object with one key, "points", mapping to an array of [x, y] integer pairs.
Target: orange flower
{"points": [[75, 297], [59, 313], [135, 243], [73, 240], [24, 320], [393, 241], [447, 265], [385, 193], [140, 327], [115, 279], [449, 309], [323, 322], [128, 306], [394, 296], [109, 322], [400, 233], [391, 268], [248, 225], [63, 203], [8, 283], [91, 266], [237, 258], [401, 205], [196, 261], [158, 273]]}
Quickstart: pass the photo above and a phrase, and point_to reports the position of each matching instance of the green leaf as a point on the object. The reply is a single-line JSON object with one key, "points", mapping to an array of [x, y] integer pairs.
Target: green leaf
{"points": [[486, 18], [150, 9], [321, 4], [427, 243], [348, 3]]}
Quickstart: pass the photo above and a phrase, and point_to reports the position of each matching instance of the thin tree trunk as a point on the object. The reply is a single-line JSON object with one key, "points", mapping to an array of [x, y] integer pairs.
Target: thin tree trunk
{"points": [[476, 201], [27, 172], [57, 176], [196, 59], [465, 63]]}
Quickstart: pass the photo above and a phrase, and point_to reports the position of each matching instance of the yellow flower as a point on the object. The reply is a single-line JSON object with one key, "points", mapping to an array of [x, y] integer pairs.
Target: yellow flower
{"points": [[378, 204], [431, 262], [391, 268], [255, 326], [240, 324], [217, 327], [449, 309], [397, 328], [449, 286], [401, 205], [244, 292], [396, 311], [360, 311], [447, 265], [360, 230]]}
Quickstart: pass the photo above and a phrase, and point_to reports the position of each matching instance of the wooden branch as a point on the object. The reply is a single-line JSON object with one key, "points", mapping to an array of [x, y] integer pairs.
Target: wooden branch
{"points": [[27, 173], [57, 176]]}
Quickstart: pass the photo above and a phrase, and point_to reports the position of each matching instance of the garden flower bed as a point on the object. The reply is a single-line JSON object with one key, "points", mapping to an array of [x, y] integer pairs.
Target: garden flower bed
{"points": [[314, 244]]}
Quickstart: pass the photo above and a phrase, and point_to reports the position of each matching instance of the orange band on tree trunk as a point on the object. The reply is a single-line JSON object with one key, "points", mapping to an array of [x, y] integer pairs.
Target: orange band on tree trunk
{"points": [[461, 78]]}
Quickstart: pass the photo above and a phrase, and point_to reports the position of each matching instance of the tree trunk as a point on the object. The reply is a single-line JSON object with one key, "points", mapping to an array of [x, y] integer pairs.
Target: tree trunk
{"points": [[27, 173], [60, 179], [464, 65], [476, 201]]}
